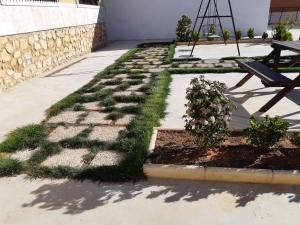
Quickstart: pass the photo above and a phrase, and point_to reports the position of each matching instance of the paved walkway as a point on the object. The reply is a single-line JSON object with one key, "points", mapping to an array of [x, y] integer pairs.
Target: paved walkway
{"points": [[155, 202], [26, 103], [249, 99]]}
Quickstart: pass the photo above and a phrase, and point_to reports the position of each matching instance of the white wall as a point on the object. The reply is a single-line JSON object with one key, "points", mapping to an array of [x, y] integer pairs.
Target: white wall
{"points": [[157, 19], [23, 19]]}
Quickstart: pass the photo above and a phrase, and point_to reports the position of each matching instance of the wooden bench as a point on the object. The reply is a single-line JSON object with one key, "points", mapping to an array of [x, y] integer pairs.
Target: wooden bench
{"points": [[269, 78]]}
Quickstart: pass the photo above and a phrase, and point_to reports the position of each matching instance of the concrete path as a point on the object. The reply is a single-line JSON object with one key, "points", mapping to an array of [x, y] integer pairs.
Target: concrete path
{"points": [[219, 51], [249, 99], [155, 202], [26, 103]]}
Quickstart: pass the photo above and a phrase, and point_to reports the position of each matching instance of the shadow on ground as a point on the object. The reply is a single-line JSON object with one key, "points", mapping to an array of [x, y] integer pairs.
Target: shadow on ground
{"points": [[77, 197]]}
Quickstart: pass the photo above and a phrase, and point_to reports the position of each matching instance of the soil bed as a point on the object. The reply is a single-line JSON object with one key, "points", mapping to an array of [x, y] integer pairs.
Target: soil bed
{"points": [[177, 147]]}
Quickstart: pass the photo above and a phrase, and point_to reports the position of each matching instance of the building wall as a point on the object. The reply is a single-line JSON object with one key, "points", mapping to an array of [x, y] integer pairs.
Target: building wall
{"points": [[37, 45], [156, 19]]}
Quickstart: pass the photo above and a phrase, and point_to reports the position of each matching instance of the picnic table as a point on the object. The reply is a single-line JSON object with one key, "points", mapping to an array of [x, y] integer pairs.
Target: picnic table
{"points": [[278, 47], [269, 76]]}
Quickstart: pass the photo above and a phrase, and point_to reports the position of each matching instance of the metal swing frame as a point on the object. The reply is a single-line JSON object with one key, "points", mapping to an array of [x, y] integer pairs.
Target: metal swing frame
{"points": [[205, 16]]}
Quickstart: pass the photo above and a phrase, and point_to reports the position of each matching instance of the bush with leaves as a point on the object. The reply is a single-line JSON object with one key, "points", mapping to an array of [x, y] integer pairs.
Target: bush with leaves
{"points": [[184, 28], [267, 132], [227, 35], [281, 32], [295, 139], [208, 111], [195, 36], [265, 35], [239, 34], [251, 33]]}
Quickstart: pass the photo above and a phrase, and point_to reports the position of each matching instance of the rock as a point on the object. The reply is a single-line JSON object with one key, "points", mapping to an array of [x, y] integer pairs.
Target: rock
{"points": [[9, 48], [5, 57], [23, 44], [31, 40], [17, 54], [3, 40], [37, 46], [44, 44], [58, 42]]}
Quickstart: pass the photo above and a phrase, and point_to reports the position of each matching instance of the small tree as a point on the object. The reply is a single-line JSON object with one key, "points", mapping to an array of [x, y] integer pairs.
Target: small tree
{"points": [[251, 33], [208, 111], [183, 28], [227, 35], [239, 34], [265, 35]]}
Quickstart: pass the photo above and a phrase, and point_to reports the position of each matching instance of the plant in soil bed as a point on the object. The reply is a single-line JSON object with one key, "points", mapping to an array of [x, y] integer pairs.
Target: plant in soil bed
{"points": [[208, 112], [267, 132]]}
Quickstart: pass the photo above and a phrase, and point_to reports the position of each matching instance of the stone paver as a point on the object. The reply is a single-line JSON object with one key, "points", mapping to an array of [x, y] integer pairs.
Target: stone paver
{"points": [[23, 155], [108, 87], [127, 93], [107, 158], [126, 120], [92, 106], [106, 133], [66, 117], [120, 105], [67, 157], [135, 87], [96, 118], [61, 132]]}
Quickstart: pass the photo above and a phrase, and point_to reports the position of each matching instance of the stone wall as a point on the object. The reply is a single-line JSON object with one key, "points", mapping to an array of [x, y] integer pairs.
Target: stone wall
{"points": [[27, 55]]}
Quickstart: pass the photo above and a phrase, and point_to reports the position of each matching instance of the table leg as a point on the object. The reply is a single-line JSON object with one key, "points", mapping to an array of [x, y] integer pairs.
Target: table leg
{"points": [[269, 57], [294, 61], [277, 58]]}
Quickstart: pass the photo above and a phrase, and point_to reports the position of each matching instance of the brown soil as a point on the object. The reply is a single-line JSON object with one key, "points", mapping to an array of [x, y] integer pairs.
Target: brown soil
{"points": [[177, 147]]}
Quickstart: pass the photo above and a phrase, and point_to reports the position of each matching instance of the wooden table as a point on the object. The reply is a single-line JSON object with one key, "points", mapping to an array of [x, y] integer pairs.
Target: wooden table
{"points": [[278, 47]]}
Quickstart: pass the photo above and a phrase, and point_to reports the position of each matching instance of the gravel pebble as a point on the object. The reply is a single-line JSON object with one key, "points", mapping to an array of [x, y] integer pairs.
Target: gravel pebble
{"points": [[92, 106], [67, 157], [23, 155], [61, 133], [125, 120], [107, 158], [105, 133], [66, 117], [96, 118]]}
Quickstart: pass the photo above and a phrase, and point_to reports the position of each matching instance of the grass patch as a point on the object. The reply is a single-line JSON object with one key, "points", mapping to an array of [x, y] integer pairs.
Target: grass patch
{"points": [[115, 115], [9, 167], [171, 53], [30, 136], [130, 98], [108, 101], [63, 104]]}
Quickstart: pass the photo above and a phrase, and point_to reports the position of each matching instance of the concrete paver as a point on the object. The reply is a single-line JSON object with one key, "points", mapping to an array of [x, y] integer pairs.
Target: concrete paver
{"points": [[153, 202], [26, 103]]}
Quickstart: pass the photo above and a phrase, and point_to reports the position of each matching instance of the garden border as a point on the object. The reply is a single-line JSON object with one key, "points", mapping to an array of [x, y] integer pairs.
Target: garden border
{"points": [[219, 174]]}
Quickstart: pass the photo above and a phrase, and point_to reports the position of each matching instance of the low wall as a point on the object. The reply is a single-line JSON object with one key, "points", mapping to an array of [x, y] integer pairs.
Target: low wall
{"points": [[18, 18], [156, 19], [26, 55]]}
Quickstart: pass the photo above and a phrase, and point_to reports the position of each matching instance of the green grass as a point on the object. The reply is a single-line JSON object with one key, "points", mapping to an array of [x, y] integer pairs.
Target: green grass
{"points": [[63, 104], [171, 53], [30, 136], [9, 167]]}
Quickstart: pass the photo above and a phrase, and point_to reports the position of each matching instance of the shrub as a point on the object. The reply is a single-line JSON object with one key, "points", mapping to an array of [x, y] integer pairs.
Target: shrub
{"points": [[265, 35], [30, 136], [227, 35], [281, 32], [251, 33], [195, 36], [208, 111], [183, 28], [212, 29], [267, 132], [239, 34], [295, 139], [9, 167]]}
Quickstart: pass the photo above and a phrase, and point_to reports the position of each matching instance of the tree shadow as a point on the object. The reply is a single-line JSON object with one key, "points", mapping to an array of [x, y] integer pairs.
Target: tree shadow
{"points": [[76, 197]]}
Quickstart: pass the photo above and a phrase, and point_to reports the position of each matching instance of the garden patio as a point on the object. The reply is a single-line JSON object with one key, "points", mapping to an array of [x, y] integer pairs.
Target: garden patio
{"points": [[148, 131]]}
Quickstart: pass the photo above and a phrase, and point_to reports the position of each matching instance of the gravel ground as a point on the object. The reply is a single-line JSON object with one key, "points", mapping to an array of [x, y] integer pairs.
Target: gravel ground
{"points": [[135, 87], [92, 106], [107, 158], [125, 120], [66, 117], [120, 105], [96, 118], [23, 155], [68, 157], [122, 76], [61, 133], [105, 133], [127, 93]]}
